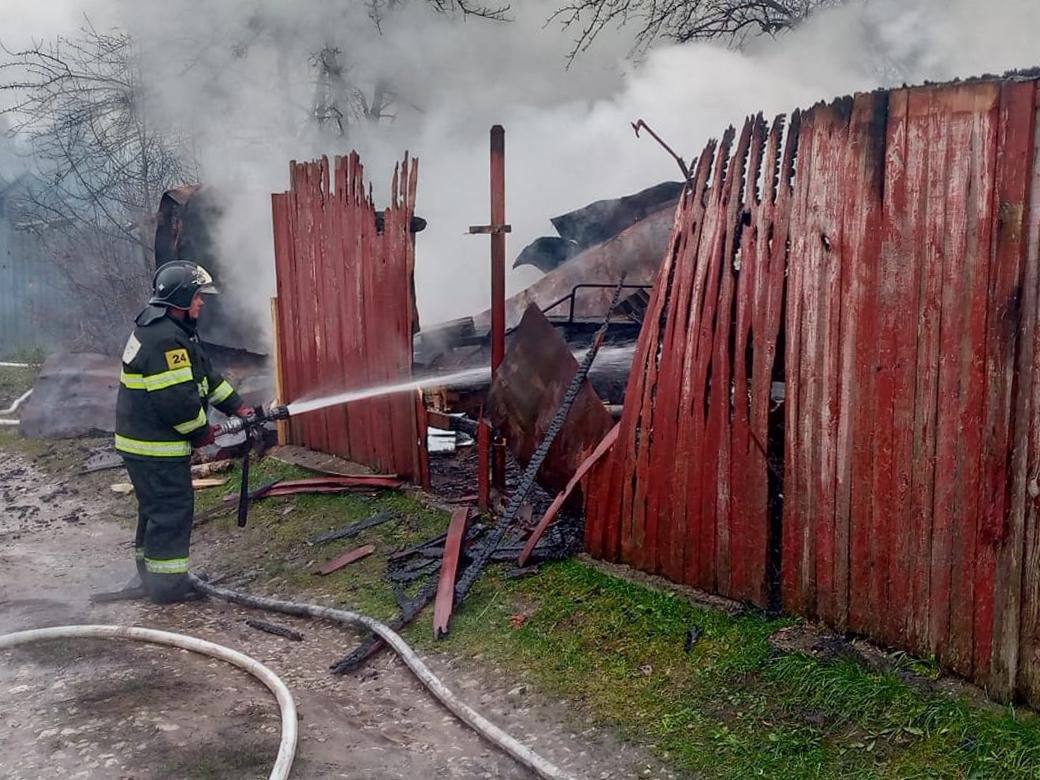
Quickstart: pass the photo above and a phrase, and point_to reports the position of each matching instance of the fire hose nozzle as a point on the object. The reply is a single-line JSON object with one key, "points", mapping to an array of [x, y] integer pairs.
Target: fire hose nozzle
{"points": [[278, 413], [236, 424]]}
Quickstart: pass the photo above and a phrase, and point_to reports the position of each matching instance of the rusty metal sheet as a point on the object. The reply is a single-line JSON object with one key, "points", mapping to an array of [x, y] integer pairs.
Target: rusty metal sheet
{"points": [[526, 392], [346, 311], [636, 251]]}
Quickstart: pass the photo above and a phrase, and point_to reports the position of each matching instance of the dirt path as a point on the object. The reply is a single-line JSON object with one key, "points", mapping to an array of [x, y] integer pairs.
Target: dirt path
{"points": [[100, 709]]}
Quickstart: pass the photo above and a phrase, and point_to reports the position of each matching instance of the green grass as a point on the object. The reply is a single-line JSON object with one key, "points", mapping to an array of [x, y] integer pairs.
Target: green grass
{"points": [[732, 707], [274, 540], [15, 381]]}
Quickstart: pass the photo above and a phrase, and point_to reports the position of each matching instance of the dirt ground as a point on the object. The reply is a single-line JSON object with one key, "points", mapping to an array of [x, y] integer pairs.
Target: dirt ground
{"points": [[103, 709]]}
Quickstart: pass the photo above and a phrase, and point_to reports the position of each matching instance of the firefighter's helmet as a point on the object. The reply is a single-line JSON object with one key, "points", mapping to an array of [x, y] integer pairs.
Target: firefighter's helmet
{"points": [[175, 284]]}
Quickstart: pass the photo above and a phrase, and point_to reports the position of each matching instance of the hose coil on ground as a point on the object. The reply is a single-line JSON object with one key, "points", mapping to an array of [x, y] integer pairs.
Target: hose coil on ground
{"points": [[287, 745]]}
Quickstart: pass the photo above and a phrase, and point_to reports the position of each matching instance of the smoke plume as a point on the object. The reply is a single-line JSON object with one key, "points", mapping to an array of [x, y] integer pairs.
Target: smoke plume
{"points": [[243, 77]]}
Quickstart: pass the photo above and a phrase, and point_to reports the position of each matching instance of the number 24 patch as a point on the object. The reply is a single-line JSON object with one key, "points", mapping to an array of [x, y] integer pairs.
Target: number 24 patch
{"points": [[177, 358]]}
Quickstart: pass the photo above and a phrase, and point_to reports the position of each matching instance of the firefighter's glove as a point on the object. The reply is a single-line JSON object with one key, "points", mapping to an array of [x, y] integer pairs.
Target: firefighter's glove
{"points": [[245, 412], [211, 436]]}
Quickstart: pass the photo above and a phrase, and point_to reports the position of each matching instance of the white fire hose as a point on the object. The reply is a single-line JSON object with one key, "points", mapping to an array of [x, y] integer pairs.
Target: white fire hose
{"points": [[485, 728], [14, 408], [287, 749], [287, 746]]}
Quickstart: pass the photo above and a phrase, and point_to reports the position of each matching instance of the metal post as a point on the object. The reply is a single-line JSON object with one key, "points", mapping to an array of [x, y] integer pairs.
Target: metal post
{"points": [[497, 230], [498, 247], [498, 284]]}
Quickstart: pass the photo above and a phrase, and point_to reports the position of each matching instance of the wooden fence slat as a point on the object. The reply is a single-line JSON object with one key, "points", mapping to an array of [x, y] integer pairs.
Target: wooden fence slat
{"points": [[901, 250], [798, 554], [700, 529], [346, 308], [1005, 627], [858, 249], [748, 518], [907, 242], [983, 105], [923, 474]]}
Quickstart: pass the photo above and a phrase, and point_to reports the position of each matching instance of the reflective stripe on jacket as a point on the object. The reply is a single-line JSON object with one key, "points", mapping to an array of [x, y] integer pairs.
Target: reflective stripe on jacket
{"points": [[165, 388]]}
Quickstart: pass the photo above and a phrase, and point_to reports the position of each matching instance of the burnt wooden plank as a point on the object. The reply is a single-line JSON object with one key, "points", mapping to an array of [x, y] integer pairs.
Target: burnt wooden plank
{"points": [[550, 514], [445, 600]]}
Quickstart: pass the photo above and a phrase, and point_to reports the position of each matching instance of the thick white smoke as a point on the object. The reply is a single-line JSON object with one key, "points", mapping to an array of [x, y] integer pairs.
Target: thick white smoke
{"points": [[236, 74]]}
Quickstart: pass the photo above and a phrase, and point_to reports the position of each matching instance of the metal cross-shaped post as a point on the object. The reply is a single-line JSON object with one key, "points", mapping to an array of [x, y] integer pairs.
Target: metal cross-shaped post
{"points": [[497, 229]]}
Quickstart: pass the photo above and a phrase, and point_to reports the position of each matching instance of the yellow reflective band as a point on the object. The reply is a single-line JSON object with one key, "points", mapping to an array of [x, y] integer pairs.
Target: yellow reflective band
{"points": [[167, 379], [192, 425], [167, 566], [132, 381], [139, 553], [153, 449], [221, 392]]}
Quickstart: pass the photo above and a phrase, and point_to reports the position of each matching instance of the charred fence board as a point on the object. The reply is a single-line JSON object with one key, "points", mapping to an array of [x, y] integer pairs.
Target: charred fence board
{"points": [[346, 311], [879, 255]]}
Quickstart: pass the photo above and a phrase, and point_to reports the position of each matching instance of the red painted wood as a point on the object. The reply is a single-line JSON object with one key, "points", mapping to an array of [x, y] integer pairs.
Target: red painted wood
{"points": [[662, 521], [346, 301], [900, 258], [912, 378], [980, 204], [1023, 514], [699, 560], [998, 526], [744, 521], [672, 492], [952, 316], [445, 601], [347, 558], [798, 552], [923, 437]]}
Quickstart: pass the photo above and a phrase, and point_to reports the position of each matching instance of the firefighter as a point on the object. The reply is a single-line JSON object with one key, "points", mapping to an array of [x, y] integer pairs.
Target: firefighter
{"points": [[166, 386]]}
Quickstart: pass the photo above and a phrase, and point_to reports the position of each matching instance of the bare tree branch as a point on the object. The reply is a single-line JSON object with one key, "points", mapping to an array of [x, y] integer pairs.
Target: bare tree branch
{"points": [[682, 20], [81, 104]]}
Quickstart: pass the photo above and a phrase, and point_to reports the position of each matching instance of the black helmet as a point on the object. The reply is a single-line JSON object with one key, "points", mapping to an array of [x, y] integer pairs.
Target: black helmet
{"points": [[175, 284]]}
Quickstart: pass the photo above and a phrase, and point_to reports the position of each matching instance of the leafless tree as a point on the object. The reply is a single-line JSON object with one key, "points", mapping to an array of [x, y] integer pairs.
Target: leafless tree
{"points": [[498, 12], [682, 21], [341, 100], [100, 167], [84, 107]]}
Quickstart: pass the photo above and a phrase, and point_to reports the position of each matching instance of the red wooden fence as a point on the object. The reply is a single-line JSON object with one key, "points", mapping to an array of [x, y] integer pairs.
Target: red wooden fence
{"points": [[345, 312], [895, 236]]}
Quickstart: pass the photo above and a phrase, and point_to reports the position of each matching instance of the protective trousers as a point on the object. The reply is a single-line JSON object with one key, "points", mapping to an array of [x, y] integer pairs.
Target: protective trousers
{"points": [[166, 503]]}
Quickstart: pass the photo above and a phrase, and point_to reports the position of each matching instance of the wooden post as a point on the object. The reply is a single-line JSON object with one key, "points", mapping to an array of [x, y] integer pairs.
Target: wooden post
{"points": [[282, 426]]}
